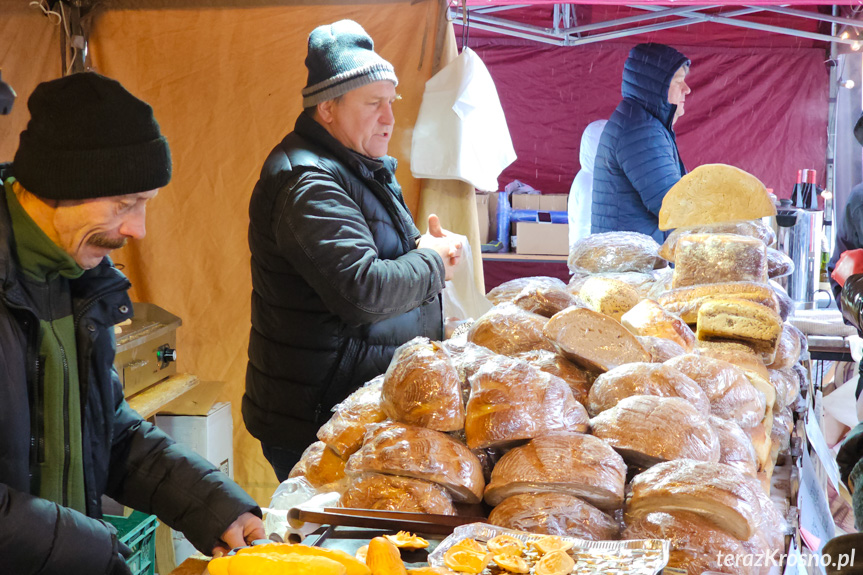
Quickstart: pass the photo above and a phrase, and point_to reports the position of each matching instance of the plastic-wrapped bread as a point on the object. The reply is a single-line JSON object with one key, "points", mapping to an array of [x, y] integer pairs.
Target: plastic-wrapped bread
{"points": [[686, 301], [697, 544], [394, 493], [579, 465], [614, 252], [422, 387], [660, 349], [467, 358], [786, 382], [344, 431], [749, 228], [647, 429], [644, 379], [552, 513], [735, 448], [661, 283], [648, 318], [718, 258], [578, 379], [545, 301], [737, 353], [783, 301], [608, 296], [780, 433], [511, 401], [642, 283], [789, 347], [740, 320], [507, 329], [730, 392], [778, 264], [593, 340], [421, 453], [319, 465], [508, 291], [715, 491]]}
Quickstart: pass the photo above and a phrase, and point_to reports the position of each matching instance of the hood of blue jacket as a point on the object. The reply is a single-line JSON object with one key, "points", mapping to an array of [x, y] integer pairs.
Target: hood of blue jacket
{"points": [[647, 75]]}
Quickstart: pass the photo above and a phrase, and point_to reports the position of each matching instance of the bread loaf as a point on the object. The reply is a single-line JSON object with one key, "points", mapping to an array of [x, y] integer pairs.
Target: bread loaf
{"points": [[788, 348], [545, 301], [410, 451], [735, 448], [607, 296], [650, 318], [646, 429], [422, 387], [714, 193], [737, 353], [511, 401], [552, 513], [660, 350], [787, 385], [579, 380], [394, 493], [718, 258], [508, 291], [740, 320], [783, 301], [507, 329], [716, 492], [614, 252], [467, 358], [641, 282], [730, 392], [319, 465], [644, 379], [593, 340], [579, 465], [686, 302], [778, 264], [343, 433], [753, 229]]}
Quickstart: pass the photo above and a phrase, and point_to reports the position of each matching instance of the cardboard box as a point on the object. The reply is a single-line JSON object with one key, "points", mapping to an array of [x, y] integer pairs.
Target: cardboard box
{"points": [[540, 202], [533, 238], [483, 203]]}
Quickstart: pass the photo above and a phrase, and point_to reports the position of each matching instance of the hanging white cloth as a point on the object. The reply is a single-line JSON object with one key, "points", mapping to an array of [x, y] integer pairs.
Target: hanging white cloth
{"points": [[581, 192], [461, 132]]}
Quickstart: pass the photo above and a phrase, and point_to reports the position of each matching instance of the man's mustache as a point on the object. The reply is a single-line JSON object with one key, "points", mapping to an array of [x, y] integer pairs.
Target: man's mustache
{"points": [[103, 241]]}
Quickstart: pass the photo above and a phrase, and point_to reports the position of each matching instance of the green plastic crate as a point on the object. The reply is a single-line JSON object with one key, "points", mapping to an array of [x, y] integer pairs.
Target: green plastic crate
{"points": [[138, 531]]}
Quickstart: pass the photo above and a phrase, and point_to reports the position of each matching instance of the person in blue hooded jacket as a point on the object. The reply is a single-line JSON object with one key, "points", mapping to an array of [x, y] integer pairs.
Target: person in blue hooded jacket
{"points": [[637, 161]]}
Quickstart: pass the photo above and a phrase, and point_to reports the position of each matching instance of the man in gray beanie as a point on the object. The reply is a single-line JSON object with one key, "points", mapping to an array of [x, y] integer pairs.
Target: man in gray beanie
{"points": [[341, 276], [91, 158]]}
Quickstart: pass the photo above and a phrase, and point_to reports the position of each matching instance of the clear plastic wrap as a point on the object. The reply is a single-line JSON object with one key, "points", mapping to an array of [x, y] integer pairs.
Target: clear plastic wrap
{"points": [[467, 358], [753, 229], [615, 252], [686, 301], [785, 306], [410, 451], [508, 291], [786, 382], [733, 319], [735, 448], [422, 387], [647, 429], [319, 465], [608, 296], [554, 514], [660, 349], [593, 340], [511, 401], [578, 379], [644, 379], [394, 493], [715, 491], [731, 394], [343, 433], [507, 329], [697, 545], [661, 283], [780, 433], [579, 465], [718, 258], [546, 301], [778, 264], [788, 348], [737, 353], [648, 318], [642, 283]]}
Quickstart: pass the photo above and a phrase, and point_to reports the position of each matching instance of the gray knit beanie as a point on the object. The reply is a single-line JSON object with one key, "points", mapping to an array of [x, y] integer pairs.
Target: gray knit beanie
{"points": [[342, 58]]}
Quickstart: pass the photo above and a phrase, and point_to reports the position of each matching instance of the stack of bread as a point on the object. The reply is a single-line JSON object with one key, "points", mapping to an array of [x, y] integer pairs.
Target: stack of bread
{"points": [[680, 378]]}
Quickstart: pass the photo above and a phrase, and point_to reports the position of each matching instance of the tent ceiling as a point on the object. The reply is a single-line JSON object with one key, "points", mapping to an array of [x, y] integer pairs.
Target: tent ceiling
{"points": [[565, 24]]}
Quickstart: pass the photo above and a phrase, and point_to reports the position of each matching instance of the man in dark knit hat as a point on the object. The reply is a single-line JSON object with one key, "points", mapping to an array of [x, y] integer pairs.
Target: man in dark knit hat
{"points": [[341, 276], [91, 158]]}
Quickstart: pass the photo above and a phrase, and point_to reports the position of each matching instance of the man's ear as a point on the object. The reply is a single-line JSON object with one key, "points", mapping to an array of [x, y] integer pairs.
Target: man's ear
{"points": [[325, 111]]}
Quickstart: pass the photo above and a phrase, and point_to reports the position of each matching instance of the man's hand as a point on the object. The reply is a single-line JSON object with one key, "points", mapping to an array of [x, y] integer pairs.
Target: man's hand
{"points": [[444, 243], [243, 531], [850, 263]]}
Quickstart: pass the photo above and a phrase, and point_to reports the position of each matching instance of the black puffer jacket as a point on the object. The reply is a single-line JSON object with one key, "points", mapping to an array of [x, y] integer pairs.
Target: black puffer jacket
{"points": [[124, 456], [337, 282]]}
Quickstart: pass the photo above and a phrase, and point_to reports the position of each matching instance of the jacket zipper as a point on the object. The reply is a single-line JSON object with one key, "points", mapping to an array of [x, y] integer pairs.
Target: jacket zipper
{"points": [[83, 368]]}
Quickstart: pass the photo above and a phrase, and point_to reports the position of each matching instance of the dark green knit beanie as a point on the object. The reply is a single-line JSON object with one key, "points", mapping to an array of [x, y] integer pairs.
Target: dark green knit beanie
{"points": [[88, 137], [342, 58]]}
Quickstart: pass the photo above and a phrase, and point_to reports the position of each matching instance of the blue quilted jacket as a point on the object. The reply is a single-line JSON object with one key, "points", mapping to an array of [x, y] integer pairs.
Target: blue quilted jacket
{"points": [[637, 161]]}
